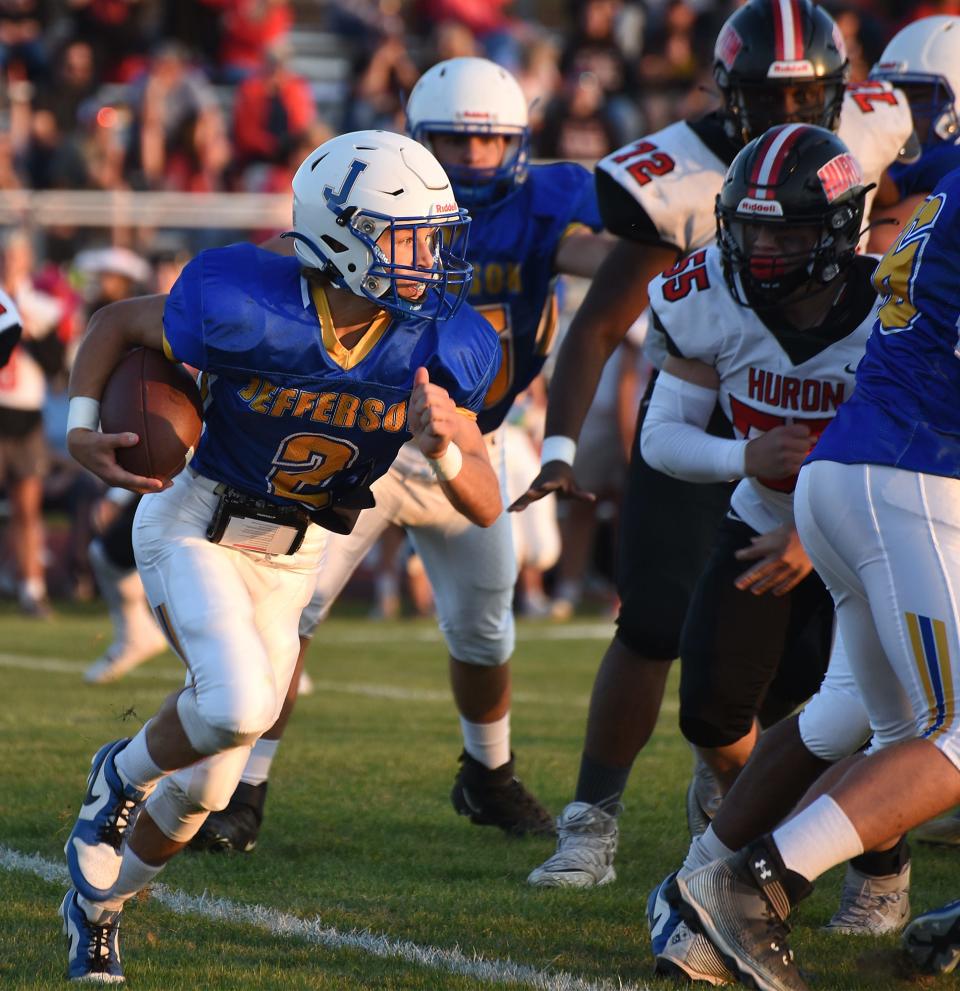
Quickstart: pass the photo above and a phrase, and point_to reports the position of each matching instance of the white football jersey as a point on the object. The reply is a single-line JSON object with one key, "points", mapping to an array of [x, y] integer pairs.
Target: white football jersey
{"points": [[761, 386], [675, 177]]}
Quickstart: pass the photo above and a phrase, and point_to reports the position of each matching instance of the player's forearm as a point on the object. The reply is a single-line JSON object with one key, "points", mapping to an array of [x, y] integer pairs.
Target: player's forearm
{"points": [[583, 254], [475, 490], [616, 298], [112, 331]]}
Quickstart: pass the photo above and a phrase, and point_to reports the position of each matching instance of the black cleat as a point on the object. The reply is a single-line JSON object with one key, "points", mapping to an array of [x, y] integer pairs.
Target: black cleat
{"points": [[933, 939], [236, 828], [741, 904], [497, 798]]}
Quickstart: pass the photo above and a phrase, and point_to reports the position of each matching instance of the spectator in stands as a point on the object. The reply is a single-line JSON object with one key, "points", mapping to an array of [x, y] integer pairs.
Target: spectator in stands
{"points": [[23, 451], [539, 78], [117, 30], [52, 159], [22, 51], [74, 81], [594, 47], [383, 81], [197, 25], [576, 125], [250, 29], [169, 100], [272, 111]]}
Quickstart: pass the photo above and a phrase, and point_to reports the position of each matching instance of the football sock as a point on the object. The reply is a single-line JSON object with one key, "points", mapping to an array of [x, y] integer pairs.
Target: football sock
{"points": [[704, 849], [883, 863], [488, 743], [816, 839], [258, 763], [135, 765], [135, 875], [600, 784]]}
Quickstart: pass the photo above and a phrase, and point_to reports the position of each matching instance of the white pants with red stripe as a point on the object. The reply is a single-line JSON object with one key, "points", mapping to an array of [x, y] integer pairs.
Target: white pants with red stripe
{"points": [[887, 544]]}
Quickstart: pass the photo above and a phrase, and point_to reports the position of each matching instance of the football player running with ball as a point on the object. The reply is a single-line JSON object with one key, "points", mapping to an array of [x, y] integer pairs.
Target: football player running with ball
{"points": [[529, 223], [316, 370], [776, 61]]}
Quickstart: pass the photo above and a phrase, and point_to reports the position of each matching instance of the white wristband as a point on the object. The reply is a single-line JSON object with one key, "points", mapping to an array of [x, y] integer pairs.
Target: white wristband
{"points": [[448, 465], [558, 448], [84, 413]]}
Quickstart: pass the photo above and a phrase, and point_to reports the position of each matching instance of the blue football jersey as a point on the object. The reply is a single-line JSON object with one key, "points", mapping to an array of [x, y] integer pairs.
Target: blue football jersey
{"points": [[923, 175], [905, 409], [513, 246], [290, 414]]}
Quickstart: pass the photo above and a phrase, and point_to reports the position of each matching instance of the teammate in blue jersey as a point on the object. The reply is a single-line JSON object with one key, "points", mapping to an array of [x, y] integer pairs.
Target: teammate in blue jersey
{"points": [[878, 510], [923, 61], [529, 222], [317, 369]]}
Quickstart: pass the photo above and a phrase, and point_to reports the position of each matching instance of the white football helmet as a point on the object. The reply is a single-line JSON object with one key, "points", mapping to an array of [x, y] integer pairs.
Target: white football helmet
{"points": [[924, 61], [474, 96], [357, 187]]}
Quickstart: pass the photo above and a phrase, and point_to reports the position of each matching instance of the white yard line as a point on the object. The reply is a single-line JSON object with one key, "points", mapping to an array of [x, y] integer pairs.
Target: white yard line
{"points": [[164, 671], [279, 923]]}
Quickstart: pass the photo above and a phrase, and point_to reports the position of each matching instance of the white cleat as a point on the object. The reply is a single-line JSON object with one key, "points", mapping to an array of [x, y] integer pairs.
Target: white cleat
{"points": [[872, 906], [691, 955], [586, 845]]}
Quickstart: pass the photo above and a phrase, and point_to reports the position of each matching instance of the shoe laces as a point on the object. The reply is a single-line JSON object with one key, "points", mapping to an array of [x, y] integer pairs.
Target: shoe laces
{"points": [[586, 836], [118, 822], [519, 798], [858, 905], [99, 951]]}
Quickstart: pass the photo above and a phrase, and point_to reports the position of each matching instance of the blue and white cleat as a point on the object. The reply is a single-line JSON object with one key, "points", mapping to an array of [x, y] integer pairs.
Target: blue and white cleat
{"points": [[663, 915], [933, 939], [93, 949], [93, 847]]}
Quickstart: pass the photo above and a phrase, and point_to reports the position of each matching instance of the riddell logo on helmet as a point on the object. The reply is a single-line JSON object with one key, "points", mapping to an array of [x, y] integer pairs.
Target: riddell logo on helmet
{"points": [[791, 69], [760, 208], [839, 175], [445, 208], [728, 46], [476, 114]]}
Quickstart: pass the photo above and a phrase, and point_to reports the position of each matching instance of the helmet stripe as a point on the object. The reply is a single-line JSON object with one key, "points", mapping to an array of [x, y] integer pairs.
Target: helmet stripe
{"points": [[771, 157], [788, 40]]}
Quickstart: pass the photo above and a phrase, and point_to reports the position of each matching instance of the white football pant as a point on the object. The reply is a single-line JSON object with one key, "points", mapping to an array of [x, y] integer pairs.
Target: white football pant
{"points": [[472, 569], [887, 544]]}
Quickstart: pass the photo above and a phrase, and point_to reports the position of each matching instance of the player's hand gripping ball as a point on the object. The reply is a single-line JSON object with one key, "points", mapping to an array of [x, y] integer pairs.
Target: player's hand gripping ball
{"points": [[159, 402]]}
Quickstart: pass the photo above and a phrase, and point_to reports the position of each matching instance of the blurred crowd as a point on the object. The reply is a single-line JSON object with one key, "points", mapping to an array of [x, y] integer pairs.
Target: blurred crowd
{"points": [[211, 96]]}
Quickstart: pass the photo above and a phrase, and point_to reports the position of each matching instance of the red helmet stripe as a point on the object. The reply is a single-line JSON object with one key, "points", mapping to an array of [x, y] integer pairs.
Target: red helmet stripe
{"points": [[788, 30], [770, 158]]}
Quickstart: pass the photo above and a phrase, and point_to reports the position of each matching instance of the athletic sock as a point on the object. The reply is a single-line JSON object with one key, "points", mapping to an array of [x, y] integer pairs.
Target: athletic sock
{"points": [[258, 763], [135, 875], [135, 765], [487, 743], [704, 849], [883, 863], [816, 839], [600, 784]]}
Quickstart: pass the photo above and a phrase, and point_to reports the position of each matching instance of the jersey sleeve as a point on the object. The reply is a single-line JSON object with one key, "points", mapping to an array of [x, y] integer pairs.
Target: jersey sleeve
{"points": [[876, 125], [183, 338], [467, 359], [682, 306], [621, 214], [923, 176], [10, 327]]}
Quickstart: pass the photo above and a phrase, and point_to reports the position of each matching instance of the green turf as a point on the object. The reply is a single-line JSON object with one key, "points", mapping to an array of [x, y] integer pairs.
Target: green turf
{"points": [[360, 831]]}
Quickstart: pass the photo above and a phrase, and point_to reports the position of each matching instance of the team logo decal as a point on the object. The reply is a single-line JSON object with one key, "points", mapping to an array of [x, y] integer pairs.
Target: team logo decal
{"points": [[335, 199], [791, 69], [728, 46], [839, 175]]}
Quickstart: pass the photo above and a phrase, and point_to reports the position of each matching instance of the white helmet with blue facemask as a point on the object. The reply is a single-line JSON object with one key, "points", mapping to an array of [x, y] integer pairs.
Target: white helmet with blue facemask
{"points": [[357, 197], [924, 61], [474, 96]]}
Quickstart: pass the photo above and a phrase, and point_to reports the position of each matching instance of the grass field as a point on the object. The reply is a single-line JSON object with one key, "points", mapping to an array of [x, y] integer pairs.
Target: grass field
{"points": [[364, 876]]}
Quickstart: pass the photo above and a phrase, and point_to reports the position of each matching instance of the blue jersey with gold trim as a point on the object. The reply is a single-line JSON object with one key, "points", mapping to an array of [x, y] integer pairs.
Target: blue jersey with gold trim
{"points": [[905, 409], [285, 420], [513, 246]]}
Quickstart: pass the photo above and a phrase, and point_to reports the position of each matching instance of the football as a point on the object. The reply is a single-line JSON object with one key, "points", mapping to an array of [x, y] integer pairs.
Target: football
{"points": [[160, 402]]}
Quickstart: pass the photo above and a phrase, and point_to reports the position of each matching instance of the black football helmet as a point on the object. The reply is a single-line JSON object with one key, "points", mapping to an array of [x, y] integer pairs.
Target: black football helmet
{"points": [[780, 62], [789, 214]]}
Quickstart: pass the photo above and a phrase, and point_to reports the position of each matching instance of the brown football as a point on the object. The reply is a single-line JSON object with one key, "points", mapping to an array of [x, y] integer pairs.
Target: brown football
{"points": [[160, 402]]}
